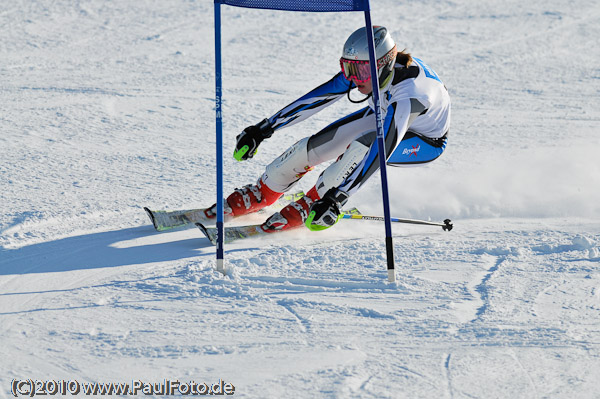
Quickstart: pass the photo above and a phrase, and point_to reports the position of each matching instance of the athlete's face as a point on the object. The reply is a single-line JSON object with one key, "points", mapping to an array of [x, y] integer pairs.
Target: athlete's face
{"points": [[364, 87]]}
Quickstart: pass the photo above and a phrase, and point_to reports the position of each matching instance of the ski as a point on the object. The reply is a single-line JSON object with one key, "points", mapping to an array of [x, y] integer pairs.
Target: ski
{"points": [[168, 220], [232, 233]]}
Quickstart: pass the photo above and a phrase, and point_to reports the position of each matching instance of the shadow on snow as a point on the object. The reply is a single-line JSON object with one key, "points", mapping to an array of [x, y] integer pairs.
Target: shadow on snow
{"points": [[98, 250]]}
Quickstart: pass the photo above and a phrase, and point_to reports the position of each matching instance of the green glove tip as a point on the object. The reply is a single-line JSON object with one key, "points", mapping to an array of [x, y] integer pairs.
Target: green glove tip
{"points": [[314, 227], [239, 154]]}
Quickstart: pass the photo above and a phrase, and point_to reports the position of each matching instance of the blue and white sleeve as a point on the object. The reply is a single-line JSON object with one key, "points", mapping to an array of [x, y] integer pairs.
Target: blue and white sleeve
{"points": [[312, 102]]}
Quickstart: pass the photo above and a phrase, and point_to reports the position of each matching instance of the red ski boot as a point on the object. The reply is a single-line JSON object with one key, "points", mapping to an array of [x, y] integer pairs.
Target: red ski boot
{"points": [[248, 199], [292, 216]]}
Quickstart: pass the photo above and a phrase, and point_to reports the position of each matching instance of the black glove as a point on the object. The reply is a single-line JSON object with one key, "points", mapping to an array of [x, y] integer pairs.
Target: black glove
{"points": [[325, 212], [249, 140]]}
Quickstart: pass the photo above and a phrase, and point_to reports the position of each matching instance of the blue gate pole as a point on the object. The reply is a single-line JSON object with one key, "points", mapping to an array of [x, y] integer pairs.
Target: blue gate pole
{"points": [[389, 246], [219, 132]]}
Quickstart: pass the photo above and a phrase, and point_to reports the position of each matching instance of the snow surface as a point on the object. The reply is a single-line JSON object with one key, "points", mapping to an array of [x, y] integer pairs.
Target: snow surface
{"points": [[106, 107]]}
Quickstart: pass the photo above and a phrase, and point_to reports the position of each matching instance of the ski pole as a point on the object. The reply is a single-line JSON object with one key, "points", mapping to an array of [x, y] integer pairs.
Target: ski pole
{"points": [[354, 214]]}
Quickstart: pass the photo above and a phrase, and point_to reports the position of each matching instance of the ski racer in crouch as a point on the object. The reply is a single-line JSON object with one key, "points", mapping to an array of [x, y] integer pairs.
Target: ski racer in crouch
{"points": [[416, 119]]}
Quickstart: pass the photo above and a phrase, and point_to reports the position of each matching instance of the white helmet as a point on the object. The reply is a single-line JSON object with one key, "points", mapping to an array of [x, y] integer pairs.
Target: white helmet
{"points": [[355, 55]]}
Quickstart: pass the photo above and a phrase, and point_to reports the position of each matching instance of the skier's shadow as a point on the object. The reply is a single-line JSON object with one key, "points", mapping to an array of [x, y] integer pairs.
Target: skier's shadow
{"points": [[132, 246]]}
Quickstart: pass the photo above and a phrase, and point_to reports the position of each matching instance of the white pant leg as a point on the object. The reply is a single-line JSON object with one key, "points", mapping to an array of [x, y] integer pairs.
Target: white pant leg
{"points": [[281, 174], [332, 141], [343, 167], [287, 169]]}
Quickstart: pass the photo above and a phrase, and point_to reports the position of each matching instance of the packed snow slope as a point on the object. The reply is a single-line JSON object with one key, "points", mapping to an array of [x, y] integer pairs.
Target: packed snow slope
{"points": [[108, 106]]}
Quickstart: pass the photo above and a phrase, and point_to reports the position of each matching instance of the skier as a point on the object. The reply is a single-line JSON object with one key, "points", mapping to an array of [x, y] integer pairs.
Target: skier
{"points": [[416, 119]]}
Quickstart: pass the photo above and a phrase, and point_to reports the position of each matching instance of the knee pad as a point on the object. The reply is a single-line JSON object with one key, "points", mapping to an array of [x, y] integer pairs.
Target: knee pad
{"points": [[338, 171], [281, 174]]}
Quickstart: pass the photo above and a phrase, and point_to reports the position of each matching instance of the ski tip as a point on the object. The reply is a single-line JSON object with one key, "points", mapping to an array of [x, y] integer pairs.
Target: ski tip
{"points": [[151, 216], [204, 231], [447, 225], [202, 228]]}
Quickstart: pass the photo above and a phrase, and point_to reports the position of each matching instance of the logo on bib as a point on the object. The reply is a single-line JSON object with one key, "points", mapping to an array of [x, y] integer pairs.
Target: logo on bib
{"points": [[412, 151]]}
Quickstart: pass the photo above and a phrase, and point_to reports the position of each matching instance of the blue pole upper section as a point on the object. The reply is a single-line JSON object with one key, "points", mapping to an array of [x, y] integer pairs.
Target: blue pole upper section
{"points": [[301, 5]]}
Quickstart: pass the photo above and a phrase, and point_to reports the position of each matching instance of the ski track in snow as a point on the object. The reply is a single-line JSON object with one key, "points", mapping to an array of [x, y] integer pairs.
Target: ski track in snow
{"points": [[106, 108]]}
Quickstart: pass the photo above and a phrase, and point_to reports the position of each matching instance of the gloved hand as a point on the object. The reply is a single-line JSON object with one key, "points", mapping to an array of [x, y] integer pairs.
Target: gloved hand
{"points": [[249, 140], [325, 212]]}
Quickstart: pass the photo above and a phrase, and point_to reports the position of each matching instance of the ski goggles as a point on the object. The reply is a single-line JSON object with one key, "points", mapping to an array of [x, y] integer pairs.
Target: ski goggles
{"points": [[359, 70]]}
